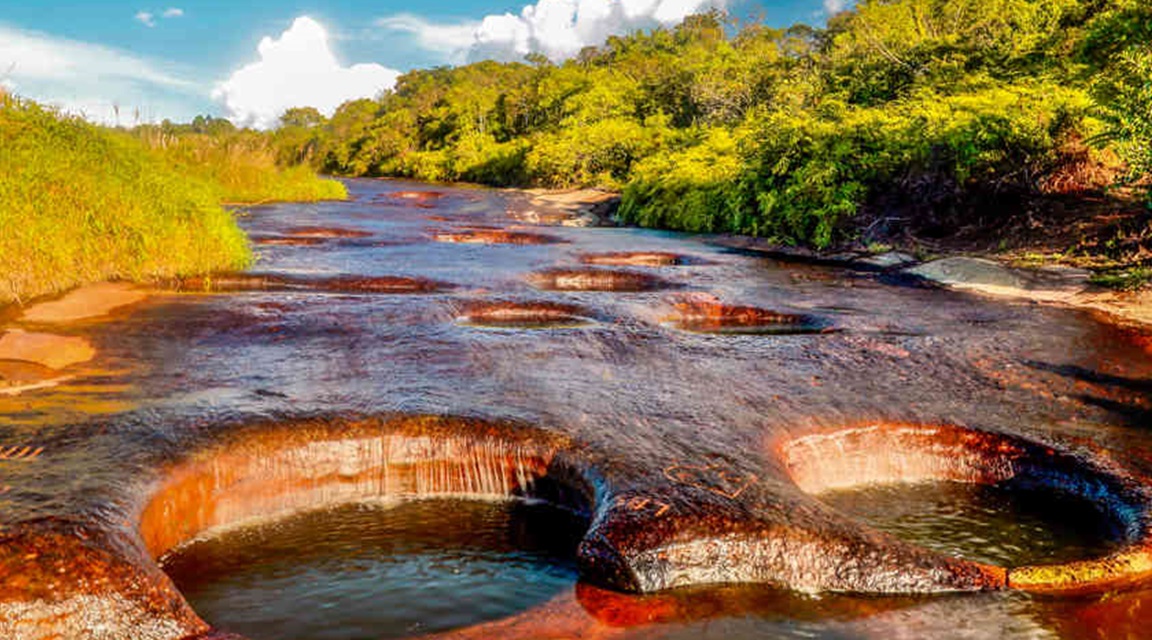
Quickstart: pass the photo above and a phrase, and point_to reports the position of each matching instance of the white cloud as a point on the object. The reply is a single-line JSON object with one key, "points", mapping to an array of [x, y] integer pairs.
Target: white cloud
{"points": [[173, 12], [832, 7], [34, 55], [82, 77], [447, 39], [297, 70], [557, 28], [147, 19]]}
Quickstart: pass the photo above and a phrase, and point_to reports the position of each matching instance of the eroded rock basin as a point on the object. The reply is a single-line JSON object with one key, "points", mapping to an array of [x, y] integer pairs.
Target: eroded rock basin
{"points": [[705, 314], [595, 280], [380, 569], [518, 314], [698, 467]]}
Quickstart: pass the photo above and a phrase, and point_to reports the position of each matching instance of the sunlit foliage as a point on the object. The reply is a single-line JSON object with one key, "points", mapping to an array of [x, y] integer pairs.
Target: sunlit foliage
{"points": [[935, 109], [82, 203]]}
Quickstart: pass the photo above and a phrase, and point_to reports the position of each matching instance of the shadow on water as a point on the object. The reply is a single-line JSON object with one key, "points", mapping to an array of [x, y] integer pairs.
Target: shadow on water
{"points": [[1126, 397], [1095, 377]]}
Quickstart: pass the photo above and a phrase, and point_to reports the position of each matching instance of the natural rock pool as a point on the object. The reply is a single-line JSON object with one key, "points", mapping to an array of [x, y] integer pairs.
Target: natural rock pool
{"points": [[734, 441], [380, 570]]}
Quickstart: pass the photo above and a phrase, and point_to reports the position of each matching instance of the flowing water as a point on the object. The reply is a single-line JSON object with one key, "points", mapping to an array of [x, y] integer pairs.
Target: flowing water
{"points": [[636, 361]]}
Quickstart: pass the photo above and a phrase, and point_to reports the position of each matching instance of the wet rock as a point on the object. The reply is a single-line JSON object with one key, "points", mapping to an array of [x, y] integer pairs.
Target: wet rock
{"points": [[48, 350], [337, 284], [293, 466], [635, 259], [989, 277], [326, 232], [704, 313], [379, 284], [84, 303], [525, 315], [70, 580], [18, 376], [595, 280], [417, 195], [494, 236], [889, 260], [411, 198], [285, 241], [570, 208], [690, 525], [971, 272]]}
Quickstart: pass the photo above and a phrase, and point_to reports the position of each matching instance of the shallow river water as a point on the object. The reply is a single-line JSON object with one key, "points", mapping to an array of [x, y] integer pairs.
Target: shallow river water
{"points": [[653, 396]]}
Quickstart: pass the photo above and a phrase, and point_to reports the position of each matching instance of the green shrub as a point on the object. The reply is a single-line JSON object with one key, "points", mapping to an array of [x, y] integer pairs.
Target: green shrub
{"points": [[1126, 96], [481, 159], [802, 174], [597, 154]]}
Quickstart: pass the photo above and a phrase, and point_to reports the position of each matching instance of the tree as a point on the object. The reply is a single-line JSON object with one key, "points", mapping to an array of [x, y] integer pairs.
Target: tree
{"points": [[306, 117]]}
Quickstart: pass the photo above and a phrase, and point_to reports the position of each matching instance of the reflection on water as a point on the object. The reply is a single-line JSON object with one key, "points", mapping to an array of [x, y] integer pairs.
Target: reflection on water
{"points": [[379, 571], [986, 523]]}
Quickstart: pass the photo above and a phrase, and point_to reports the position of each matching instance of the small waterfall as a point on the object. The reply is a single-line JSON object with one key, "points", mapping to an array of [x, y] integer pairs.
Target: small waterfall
{"points": [[264, 478]]}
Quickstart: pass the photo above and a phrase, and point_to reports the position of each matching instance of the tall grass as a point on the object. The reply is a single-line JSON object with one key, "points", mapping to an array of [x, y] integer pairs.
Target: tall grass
{"points": [[81, 203], [241, 165]]}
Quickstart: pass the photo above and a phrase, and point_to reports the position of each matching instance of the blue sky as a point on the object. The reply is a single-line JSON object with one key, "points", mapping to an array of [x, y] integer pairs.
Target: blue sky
{"points": [[177, 58]]}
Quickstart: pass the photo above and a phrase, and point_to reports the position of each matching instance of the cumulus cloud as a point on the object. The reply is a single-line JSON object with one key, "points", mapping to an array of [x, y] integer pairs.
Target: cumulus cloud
{"points": [[558, 29], [173, 12], [832, 7], [297, 70], [89, 79], [147, 19]]}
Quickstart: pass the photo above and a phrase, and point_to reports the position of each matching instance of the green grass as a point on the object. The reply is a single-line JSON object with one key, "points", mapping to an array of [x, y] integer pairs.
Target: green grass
{"points": [[81, 203], [241, 165], [1130, 279]]}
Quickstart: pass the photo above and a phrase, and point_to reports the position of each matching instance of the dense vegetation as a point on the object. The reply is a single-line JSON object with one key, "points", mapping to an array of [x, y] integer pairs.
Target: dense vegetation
{"points": [[900, 116], [82, 203], [926, 114], [241, 163]]}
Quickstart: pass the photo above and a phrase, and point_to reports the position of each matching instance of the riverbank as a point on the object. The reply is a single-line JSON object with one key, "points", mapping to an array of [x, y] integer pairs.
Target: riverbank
{"points": [[1045, 260], [36, 350], [82, 203], [564, 207]]}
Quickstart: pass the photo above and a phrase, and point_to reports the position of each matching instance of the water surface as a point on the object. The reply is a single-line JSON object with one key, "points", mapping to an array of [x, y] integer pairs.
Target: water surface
{"points": [[644, 394], [367, 571]]}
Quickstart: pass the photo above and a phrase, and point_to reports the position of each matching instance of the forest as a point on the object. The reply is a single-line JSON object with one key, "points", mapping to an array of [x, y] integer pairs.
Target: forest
{"points": [[898, 123], [898, 116]]}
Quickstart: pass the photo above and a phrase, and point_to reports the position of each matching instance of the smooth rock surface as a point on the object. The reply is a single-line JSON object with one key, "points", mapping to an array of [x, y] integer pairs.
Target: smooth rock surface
{"points": [[84, 303], [50, 350], [889, 260], [992, 278]]}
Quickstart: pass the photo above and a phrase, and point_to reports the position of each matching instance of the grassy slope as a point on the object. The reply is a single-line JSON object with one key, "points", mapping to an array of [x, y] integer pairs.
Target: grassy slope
{"points": [[242, 166], [79, 204]]}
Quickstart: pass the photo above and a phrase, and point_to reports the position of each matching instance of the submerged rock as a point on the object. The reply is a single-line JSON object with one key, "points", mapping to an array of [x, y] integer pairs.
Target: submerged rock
{"points": [[50, 350], [85, 303], [596, 280]]}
